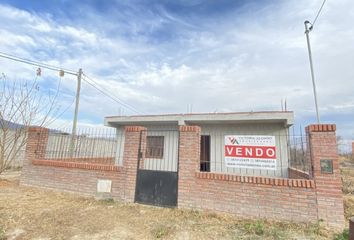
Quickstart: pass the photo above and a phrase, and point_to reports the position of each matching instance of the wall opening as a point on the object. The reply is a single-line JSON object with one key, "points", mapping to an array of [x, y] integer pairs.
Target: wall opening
{"points": [[205, 153]]}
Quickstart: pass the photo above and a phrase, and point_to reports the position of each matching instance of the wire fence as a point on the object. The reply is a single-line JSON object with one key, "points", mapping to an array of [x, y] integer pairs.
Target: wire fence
{"points": [[106, 146], [345, 148], [91, 145], [299, 155]]}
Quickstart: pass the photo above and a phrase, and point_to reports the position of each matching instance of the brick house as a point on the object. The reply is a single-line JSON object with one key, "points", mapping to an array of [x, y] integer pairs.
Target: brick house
{"points": [[214, 127], [236, 163]]}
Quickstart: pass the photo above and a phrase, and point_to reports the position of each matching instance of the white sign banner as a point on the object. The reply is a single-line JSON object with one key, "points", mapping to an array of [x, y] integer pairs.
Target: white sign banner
{"points": [[254, 152]]}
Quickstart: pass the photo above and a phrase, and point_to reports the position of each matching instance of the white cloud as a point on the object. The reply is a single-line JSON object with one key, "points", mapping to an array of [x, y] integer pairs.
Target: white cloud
{"points": [[242, 61]]}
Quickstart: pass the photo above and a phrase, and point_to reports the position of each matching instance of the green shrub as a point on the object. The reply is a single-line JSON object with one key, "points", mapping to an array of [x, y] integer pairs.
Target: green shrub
{"points": [[161, 231], [342, 236], [255, 228], [2, 234]]}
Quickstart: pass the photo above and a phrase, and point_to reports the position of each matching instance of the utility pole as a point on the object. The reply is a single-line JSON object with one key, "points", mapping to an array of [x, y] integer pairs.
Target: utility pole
{"points": [[73, 133], [307, 31]]}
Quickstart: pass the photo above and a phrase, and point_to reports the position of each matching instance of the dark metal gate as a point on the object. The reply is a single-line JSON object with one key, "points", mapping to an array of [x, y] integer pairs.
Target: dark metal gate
{"points": [[157, 173]]}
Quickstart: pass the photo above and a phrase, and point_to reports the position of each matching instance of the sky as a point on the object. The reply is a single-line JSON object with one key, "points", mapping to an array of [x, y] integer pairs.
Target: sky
{"points": [[186, 56]]}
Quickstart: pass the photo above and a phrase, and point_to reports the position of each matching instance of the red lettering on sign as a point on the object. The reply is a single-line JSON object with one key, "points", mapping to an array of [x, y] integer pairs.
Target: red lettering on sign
{"points": [[250, 151]]}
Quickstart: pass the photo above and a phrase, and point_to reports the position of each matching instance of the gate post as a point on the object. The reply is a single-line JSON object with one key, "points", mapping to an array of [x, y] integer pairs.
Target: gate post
{"points": [[36, 143], [326, 173], [189, 157], [135, 139]]}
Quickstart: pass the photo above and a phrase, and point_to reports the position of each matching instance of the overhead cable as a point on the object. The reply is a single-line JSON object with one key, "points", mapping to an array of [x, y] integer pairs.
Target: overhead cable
{"points": [[105, 92]]}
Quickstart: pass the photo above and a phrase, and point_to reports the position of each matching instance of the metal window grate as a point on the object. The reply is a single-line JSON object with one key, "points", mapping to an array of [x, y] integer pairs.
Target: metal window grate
{"points": [[90, 145], [154, 147]]}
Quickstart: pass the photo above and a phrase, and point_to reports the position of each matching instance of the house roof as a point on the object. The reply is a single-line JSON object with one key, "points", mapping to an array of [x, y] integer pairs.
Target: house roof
{"points": [[285, 117]]}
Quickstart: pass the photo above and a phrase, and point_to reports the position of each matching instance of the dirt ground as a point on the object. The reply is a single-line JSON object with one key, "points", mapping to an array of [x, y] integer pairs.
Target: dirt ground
{"points": [[33, 213]]}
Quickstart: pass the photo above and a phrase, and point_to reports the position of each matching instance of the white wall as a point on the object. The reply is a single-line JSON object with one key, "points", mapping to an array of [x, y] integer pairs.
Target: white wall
{"points": [[15, 146], [217, 134], [120, 146], [169, 162]]}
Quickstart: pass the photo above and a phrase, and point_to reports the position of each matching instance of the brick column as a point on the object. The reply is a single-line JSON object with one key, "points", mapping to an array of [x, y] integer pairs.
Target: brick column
{"points": [[188, 163], [133, 135], [326, 173], [37, 139]]}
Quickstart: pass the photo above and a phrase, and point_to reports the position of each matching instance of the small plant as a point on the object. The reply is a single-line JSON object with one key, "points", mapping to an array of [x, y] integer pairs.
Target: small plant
{"points": [[108, 201], [161, 231], [343, 235], [276, 233], [2, 234], [255, 228]]}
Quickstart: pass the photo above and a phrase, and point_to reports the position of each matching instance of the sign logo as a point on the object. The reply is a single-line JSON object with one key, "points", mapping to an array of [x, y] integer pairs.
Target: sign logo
{"points": [[233, 140]]}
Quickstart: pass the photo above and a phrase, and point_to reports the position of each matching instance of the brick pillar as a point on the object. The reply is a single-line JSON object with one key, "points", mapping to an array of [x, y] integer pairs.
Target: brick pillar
{"points": [[326, 173], [133, 134], [188, 163], [37, 139]]}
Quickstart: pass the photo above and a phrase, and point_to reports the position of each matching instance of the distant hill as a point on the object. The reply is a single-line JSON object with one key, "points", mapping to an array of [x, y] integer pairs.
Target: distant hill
{"points": [[11, 125], [14, 126]]}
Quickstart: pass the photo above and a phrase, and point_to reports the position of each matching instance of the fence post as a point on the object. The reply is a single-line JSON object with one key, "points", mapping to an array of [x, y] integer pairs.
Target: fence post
{"points": [[36, 143], [188, 163], [133, 135], [326, 173], [351, 228]]}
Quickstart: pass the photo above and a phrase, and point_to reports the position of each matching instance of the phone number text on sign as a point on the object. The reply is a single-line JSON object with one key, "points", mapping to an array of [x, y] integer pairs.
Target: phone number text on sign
{"points": [[255, 152]]}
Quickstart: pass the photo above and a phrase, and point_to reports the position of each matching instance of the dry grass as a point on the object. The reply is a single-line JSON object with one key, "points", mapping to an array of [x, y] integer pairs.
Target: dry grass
{"points": [[348, 190], [348, 180], [32, 213]]}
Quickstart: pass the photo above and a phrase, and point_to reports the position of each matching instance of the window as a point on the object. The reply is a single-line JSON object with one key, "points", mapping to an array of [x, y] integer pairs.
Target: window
{"points": [[154, 147], [205, 153]]}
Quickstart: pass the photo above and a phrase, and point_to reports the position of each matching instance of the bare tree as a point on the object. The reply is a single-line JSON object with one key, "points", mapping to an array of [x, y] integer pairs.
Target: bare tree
{"points": [[22, 104]]}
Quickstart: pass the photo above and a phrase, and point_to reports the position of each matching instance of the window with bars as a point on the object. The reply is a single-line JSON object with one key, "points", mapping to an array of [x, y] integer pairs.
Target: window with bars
{"points": [[154, 147]]}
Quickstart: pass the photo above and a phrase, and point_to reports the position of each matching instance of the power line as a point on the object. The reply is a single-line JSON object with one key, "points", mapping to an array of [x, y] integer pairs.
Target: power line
{"points": [[62, 113], [114, 98], [318, 13], [37, 64], [68, 71]]}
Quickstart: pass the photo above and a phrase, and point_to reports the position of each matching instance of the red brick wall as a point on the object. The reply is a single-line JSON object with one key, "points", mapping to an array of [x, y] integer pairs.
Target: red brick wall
{"points": [[133, 135], [288, 199], [80, 177], [189, 150], [305, 199], [82, 181], [297, 174], [323, 145]]}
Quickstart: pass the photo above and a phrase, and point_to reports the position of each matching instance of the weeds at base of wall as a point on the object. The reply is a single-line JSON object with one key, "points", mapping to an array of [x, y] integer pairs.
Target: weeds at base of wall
{"points": [[320, 229], [264, 229], [2, 234], [343, 235], [255, 228], [108, 201]]}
